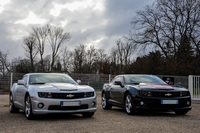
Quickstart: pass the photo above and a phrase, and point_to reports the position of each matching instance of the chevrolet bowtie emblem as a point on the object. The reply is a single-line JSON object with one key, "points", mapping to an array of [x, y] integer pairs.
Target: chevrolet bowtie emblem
{"points": [[70, 95], [168, 94]]}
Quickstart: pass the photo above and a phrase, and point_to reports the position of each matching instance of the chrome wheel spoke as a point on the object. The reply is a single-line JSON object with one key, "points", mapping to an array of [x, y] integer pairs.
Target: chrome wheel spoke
{"points": [[11, 103], [128, 104], [103, 100], [27, 107]]}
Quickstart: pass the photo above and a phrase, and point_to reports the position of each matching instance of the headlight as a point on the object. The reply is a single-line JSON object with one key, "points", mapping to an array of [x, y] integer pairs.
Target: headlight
{"points": [[184, 93], [89, 94], [145, 93], [44, 95]]}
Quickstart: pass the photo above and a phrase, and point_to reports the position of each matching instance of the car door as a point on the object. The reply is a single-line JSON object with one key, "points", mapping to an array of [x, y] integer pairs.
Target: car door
{"points": [[120, 90], [117, 90], [20, 92]]}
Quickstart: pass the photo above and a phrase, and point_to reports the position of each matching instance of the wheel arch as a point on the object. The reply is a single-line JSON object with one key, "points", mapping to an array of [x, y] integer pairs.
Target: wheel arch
{"points": [[13, 96], [126, 92], [106, 93], [26, 94], [131, 91]]}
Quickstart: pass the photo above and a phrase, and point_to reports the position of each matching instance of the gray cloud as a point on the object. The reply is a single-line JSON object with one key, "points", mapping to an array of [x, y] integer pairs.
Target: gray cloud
{"points": [[88, 25]]}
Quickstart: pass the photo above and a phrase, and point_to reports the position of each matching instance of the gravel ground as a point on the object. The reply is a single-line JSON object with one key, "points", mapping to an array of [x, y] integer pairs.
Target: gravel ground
{"points": [[109, 121]]}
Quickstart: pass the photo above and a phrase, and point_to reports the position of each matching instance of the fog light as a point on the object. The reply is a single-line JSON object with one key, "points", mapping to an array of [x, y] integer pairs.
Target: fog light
{"points": [[40, 105], [188, 102], [93, 104], [141, 103]]}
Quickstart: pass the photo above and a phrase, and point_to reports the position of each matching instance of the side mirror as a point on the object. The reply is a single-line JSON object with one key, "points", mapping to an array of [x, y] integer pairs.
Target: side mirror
{"points": [[78, 81], [20, 82], [118, 83]]}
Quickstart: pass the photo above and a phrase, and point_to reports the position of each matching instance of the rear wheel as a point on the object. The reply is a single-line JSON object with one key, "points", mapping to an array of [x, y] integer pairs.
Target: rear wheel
{"points": [[104, 103], [88, 114], [181, 112], [129, 105], [12, 107], [28, 108]]}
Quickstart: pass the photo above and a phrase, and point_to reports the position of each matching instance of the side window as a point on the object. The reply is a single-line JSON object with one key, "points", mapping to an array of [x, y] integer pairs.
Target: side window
{"points": [[25, 79]]}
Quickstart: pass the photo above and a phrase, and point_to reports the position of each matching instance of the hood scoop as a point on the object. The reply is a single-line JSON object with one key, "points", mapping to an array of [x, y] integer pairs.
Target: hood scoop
{"points": [[68, 87], [165, 89]]}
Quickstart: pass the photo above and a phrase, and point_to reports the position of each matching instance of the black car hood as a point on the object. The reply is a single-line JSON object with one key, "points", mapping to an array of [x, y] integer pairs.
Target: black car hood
{"points": [[151, 86], [155, 86]]}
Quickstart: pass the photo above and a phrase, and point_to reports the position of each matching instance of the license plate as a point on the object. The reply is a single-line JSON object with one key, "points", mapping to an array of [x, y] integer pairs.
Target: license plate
{"points": [[70, 103], [169, 101]]}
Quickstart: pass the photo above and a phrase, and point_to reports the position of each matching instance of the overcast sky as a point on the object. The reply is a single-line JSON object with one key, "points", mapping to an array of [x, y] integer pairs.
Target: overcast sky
{"points": [[90, 22]]}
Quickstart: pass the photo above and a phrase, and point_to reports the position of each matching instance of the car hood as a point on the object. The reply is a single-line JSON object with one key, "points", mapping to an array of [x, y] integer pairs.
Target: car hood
{"points": [[55, 87]]}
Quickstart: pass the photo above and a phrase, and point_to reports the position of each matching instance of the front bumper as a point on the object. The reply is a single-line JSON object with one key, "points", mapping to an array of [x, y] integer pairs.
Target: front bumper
{"points": [[54, 105], [183, 103]]}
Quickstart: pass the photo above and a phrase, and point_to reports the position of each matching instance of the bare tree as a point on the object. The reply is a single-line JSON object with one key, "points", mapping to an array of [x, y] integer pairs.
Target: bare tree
{"points": [[120, 52], [124, 52], [166, 22], [4, 63], [56, 38], [100, 58], [30, 47], [67, 60], [128, 53], [40, 34], [47, 63], [91, 58], [79, 58]]}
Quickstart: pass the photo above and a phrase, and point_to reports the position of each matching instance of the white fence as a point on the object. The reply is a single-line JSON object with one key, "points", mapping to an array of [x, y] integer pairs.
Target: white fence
{"points": [[194, 86]]}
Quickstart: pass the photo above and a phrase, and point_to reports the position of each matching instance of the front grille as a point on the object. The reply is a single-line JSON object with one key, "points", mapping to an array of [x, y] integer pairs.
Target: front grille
{"points": [[67, 95], [165, 94], [58, 107]]}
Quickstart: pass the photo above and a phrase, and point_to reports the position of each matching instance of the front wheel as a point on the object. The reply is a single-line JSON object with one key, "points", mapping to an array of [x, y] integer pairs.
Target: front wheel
{"points": [[104, 103], [88, 114], [28, 108], [12, 107], [129, 105]]}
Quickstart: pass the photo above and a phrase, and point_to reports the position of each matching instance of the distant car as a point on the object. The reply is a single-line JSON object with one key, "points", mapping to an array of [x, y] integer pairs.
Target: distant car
{"points": [[43, 93], [142, 93]]}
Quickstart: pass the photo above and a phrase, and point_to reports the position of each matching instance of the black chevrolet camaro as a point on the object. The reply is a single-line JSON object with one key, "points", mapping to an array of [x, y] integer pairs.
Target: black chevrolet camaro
{"points": [[138, 93]]}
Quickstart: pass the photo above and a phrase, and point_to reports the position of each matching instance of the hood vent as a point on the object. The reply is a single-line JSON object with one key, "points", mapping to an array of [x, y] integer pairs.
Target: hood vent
{"points": [[68, 89], [165, 89]]}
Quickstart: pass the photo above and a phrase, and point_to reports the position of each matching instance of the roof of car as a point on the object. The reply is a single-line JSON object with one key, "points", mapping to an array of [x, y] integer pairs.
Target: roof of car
{"points": [[45, 73], [135, 75]]}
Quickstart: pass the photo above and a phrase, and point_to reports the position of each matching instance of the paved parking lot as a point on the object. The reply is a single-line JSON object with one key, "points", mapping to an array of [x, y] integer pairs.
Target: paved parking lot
{"points": [[110, 121]]}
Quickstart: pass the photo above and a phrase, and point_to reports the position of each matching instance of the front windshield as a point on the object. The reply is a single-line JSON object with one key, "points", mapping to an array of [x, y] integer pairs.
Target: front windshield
{"points": [[50, 78], [136, 79]]}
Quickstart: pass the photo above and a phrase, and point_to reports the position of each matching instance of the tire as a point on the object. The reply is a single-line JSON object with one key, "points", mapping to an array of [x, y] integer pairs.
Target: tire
{"points": [[129, 105], [28, 108], [181, 112], [105, 105], [88, 114], [12, 107]]}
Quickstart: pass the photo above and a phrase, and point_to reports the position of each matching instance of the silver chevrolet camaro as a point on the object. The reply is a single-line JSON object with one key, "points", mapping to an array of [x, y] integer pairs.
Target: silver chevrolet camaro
{"points": [[43, 93]]}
